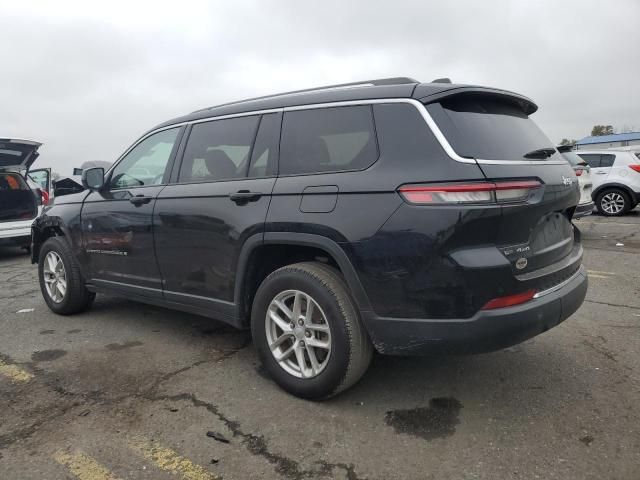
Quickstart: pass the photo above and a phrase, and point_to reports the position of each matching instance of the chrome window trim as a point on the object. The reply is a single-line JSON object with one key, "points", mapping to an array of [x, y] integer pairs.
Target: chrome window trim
{"points": [[135, 144], [428, 119]]}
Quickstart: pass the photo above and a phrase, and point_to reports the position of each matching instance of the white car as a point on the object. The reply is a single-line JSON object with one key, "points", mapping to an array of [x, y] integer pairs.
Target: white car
{"points": [[582, 171], [21, 198], [616, 179]]}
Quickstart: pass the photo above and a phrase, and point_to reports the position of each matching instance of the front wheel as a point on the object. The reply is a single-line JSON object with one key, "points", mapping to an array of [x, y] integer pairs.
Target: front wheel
{"points": [[613, 202], [308, 332], [61, 281]]}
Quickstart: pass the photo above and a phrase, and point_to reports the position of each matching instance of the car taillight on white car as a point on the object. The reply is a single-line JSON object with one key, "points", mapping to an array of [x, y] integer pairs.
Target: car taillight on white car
{"points": [[463, 193]]}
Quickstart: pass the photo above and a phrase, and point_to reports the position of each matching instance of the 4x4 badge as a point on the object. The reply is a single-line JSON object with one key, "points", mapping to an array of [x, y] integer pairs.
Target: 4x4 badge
{"points": [[521, 263]]}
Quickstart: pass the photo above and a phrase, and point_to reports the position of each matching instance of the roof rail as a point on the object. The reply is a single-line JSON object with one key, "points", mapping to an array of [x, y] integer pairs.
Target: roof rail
{"points": [[441, 80], [364, 83]]}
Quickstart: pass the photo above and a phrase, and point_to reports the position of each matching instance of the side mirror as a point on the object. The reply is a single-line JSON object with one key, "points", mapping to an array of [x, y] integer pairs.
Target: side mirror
{"points": [[93, 178]]}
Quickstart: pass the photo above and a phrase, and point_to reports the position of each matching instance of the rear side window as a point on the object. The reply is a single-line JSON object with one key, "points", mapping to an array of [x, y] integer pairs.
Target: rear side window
{"points": [[218, 150], [591, 158], [596, 160], [327, 140], [489, 128], [607, 160]]}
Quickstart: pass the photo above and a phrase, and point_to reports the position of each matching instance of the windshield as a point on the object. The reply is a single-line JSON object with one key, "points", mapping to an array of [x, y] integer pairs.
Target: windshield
{"points": [[490, 128]]}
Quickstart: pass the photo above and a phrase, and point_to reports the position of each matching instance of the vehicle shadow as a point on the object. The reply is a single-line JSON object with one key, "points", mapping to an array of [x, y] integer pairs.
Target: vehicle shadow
{"points": [[10, 253]]}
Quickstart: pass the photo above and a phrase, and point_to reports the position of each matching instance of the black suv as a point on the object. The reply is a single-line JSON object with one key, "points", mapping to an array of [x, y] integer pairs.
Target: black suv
{"points": [[393, 215]]}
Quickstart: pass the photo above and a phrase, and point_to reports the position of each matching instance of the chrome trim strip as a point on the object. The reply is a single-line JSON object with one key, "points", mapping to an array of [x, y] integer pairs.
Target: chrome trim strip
{"points": [[558, 286], [442, 140]]}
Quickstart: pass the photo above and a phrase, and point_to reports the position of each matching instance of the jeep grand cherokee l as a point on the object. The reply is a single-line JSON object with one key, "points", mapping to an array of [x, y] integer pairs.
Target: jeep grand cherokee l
{"points": [[393, 215]]}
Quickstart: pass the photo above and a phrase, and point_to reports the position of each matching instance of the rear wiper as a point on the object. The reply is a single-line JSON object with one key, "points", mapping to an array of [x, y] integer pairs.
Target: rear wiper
{"points": [[540, 153]]}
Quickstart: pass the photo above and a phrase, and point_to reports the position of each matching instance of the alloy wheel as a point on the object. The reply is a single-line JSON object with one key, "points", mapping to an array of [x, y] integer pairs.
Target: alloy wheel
{"points": [[55, 277], [612, 203], [298, 334]]}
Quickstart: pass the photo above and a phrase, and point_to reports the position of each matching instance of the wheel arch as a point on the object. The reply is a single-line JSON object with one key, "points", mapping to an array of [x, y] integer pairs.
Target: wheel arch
{"points": [[612, 186], [44, 228], [263, 253]]}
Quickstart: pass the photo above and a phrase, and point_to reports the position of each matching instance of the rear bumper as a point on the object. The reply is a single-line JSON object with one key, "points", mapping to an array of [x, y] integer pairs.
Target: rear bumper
{"points": [[486, 331], [583, 210], [15, 230]]}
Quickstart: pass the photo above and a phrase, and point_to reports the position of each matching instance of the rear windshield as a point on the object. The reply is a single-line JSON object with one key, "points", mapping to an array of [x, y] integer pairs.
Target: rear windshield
{"points": [[573, 158], [490, 128], [12, 181]]}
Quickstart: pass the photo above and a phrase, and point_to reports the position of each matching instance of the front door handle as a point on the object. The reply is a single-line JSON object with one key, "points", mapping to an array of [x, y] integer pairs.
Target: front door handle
{"points": [[243, 197], [140, 200]]}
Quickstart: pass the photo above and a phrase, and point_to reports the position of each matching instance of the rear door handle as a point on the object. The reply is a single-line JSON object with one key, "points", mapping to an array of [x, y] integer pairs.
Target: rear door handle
{"points": [[140, 200], [600, 173], [244, 196]]}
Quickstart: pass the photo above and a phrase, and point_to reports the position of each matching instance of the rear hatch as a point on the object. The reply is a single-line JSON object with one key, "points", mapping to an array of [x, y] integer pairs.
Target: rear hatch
{"points": [[17, 201], [535, 232], [17, 155]]}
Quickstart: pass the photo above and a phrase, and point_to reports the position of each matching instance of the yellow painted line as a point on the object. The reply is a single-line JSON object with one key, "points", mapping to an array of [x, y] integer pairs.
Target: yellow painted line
{"points": [[170, 461], [601, 273], [593, 275], [14, 373], [83, 466]]}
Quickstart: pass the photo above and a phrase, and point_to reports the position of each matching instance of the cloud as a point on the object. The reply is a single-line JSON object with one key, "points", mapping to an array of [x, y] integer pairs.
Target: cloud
{"points": [[86, 79]]}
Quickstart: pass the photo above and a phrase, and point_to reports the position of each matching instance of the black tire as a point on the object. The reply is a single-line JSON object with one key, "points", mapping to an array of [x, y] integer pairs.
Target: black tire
{"points": [[76, 298], [601, 200], [351, 350]]}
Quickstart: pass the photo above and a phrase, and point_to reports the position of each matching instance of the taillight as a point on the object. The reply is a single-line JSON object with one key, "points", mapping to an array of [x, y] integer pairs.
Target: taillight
{"points": [[509, 300], [635, 167], [481, 192], [578, 172], [44, 196]]}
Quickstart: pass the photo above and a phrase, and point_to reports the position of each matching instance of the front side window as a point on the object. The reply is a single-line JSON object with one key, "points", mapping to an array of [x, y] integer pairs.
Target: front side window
{"points": [[147, 163], [265, 150], [327, 140], [218, 150]]}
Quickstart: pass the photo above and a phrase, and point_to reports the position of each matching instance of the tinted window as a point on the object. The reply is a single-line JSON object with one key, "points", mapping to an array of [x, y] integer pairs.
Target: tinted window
{"points": [[327, 139], [265, 151], [607, 160], [592, 159], [218, 150], [489, 128], [147, 162]]}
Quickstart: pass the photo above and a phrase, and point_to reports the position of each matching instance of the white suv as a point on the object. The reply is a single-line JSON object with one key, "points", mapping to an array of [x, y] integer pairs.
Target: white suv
{"points": [[21, 198], [615, 175]]}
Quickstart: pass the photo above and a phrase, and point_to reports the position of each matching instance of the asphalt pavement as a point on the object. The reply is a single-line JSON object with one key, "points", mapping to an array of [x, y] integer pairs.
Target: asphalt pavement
{"points": [[131, 391]]}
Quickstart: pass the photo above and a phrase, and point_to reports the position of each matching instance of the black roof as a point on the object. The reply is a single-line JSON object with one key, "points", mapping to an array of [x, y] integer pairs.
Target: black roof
{"points": [[401, 87]]}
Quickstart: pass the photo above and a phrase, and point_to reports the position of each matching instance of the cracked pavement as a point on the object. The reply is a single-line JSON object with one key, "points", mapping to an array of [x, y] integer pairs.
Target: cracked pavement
{"points": [[130, 391]]}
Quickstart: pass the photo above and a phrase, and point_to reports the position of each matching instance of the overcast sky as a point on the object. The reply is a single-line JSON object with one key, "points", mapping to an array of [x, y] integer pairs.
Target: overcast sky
{"points": [[87, 78]]}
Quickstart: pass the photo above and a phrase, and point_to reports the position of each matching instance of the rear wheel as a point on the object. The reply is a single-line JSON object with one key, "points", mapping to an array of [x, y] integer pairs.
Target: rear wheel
{"points": [[307, 331], [613, 202], [61, 282]]}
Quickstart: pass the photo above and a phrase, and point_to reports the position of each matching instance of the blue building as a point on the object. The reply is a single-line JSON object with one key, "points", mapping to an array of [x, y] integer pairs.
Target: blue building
{"points": [[617, 140]]}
